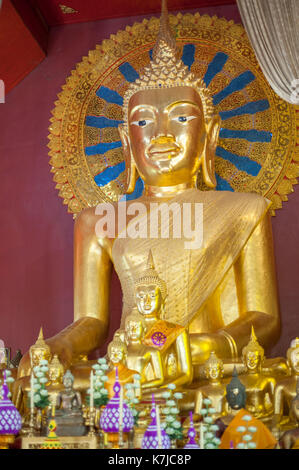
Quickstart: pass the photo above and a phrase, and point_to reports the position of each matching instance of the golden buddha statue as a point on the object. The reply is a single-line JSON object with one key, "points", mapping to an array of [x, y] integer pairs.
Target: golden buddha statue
{"points": [[215, 390], [145, 360], [117, 354], [162, 339], [259, 387], [55, 385], [285, 389], [218, 290]]}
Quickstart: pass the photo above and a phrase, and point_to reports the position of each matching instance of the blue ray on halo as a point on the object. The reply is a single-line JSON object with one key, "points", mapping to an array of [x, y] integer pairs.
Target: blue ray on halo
{"points": [[252, 135], [215, 67], [128, 72], [236, 84], [110, 96], [138, 190], [109, 174], [102, 148], [222, 185], [242, 163], [249, 108], [101, 122], [150, 53], [188, 55]]}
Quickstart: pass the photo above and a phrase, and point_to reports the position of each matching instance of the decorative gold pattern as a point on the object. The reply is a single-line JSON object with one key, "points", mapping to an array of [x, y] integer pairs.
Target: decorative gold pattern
{"points": [[74, 171], [67, 10]]}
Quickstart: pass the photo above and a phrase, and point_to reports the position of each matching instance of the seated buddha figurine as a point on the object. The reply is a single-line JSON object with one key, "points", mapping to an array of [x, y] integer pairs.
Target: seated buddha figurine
{"points": [[285, 389], [169, 339], [147, 361], [68, 415], [259, 387], [215, 390], [239, 416], [169, 135], [21, 387], [117, 354], [290, 439], [55, 385]]}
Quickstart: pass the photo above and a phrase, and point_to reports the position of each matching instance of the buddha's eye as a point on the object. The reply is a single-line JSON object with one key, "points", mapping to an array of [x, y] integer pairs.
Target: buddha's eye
{"points": [[184, 119], [142, 122]]}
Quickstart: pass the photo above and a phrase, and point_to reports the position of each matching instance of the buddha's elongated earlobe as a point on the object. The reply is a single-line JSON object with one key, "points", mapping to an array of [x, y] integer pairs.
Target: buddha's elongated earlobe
{"points": [[131, 170], [208, 158]]}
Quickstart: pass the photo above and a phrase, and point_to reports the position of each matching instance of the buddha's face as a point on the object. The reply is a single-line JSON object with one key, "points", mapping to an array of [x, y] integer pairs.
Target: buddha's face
{"points": [[213, 372], [116, 354], [294, 359], [134, 330], [166, 134], [68, 382], [148, 299], [37, 355], [252, 360], [235, 398]]}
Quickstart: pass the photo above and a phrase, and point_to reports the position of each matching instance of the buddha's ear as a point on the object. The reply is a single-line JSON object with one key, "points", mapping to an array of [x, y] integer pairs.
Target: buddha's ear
{"points": [[131, 171], [208, 162]]}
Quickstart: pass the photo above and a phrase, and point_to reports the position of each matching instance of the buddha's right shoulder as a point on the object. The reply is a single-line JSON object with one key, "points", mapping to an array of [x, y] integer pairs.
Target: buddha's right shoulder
{"points": [[89, 217]]}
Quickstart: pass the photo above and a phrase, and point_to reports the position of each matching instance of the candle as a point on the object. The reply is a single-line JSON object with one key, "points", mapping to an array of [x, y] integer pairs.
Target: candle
{"points": [[202, 441], [91, 399], [137, 387], [158, 427], [32, 392]]}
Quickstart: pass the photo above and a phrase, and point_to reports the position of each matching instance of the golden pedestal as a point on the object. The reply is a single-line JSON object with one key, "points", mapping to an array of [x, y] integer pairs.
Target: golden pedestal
{"points": [[6, 440]]}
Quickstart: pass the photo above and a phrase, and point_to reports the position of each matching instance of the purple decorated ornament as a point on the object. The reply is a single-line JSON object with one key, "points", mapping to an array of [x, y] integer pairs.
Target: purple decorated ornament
{"points": [[191, 444], [109, 421], [150, 437], [10, 418]]}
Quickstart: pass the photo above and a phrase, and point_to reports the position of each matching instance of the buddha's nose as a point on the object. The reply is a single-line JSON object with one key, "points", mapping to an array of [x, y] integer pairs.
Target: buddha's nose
{"points": [[162, 140]]}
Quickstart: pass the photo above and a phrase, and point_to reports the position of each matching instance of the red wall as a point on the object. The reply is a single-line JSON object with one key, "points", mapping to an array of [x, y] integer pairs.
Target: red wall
{"points": [[36, 232]]}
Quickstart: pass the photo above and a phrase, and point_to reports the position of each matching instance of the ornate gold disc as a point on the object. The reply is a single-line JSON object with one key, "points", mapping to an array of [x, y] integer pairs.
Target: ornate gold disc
{"points": [[257, 146]]}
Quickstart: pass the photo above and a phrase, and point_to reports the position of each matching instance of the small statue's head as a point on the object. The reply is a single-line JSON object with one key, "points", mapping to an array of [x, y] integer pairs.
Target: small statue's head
{"points": [[68, 379], [134, 326], [56, 370], [150, 291], [236, 392], [253, 354], [40, 350], [120, 334], [213, 367], [169, 129], [293, 356], [117, 352]]}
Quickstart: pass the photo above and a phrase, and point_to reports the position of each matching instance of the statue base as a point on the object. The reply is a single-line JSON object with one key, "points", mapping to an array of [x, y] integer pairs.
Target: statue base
{"points": [[68, 442]]}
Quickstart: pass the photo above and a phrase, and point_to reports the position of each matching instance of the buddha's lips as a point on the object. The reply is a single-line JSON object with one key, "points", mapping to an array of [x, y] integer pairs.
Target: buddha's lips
{"points": [[162, 152]]}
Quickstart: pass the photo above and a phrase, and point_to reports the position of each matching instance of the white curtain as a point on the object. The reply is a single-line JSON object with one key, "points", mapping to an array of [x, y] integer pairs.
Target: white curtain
{"points": [[273, 29]]}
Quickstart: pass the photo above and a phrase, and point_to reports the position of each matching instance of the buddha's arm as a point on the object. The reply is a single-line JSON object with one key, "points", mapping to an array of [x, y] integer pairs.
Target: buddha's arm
{"points": [[257, 300], [256, 290], [185, 369]]}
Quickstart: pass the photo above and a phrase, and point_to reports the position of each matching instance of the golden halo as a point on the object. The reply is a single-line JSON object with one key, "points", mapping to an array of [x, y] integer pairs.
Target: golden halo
{"points": [[257, 146]]}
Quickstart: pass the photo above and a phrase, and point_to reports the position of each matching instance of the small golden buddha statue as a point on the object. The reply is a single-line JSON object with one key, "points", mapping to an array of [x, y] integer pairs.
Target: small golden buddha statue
{"points": [[117, 354], [55, 385], [147, 361], [218, 291], [167, 338], [215, 390], [259, 387], [285, 389], [40, 350]]}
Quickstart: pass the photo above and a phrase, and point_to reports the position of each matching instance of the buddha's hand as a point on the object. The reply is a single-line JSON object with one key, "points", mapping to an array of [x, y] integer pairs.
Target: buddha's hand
{"points": [[60, 346], [203, 344]]}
